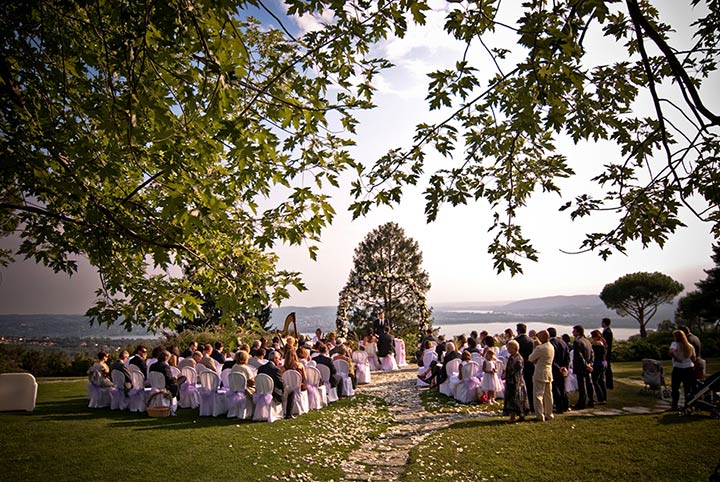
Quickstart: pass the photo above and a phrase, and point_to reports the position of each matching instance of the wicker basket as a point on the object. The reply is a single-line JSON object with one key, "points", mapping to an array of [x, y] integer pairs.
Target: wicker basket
{"points": [[157, 411]]}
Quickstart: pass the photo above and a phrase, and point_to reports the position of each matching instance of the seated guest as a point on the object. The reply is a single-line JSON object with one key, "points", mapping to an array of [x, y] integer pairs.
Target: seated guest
{"points": [[292, 362], [138, 359], [322, 359], [338, 344], [318, 336], [172, 384], [174, 355], [192, 348], [191, 361], [258, 360], [120, 364], [272, 369], [207, 360], [217, 353], [342, 355], [472, 345], [241, 365], [303, 355], [99, 372], [256, 345]]}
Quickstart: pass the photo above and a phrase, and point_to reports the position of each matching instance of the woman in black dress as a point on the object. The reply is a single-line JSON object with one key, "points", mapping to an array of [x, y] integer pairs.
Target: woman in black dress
{"points": [[599, 363], [516, 400]]}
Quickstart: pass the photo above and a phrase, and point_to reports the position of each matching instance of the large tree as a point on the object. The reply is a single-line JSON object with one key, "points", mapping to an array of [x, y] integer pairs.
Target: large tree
{"points": [[638, 295], [149, 136], [588, 71], [387, 276], [702, 306]]}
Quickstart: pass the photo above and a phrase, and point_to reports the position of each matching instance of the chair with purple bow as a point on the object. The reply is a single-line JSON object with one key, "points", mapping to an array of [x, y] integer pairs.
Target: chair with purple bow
{"points": [[189, 396], [212, 399], [293, 382], [332, 394], [98, 389], [137, 396], [452, 368], [266, 407], [400, 352], [467, 389], [157, 385], [316, 390], [362, 367], [238, 403], [118, 399], [343, 370]]}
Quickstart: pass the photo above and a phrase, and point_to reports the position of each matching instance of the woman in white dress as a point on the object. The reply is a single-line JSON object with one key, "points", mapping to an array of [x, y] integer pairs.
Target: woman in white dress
{"points": [[370, 342]]}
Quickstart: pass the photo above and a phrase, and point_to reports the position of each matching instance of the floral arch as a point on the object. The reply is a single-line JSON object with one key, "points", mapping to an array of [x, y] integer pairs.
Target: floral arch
{"points": [[347, 294]]}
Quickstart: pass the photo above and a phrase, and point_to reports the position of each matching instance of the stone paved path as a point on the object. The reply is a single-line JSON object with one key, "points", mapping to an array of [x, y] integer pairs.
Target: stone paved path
{"points": [[384, 459]]}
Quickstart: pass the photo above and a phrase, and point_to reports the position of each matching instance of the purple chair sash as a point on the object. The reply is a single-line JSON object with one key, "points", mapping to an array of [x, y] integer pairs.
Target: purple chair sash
{"points": [[188, 388], [313, 392], [235, 398], [260, 398]]}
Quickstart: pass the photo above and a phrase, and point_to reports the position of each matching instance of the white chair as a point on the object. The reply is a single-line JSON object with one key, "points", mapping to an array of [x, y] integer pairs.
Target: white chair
{"points": [[224, 377], [137, 392], [175, 371], [477, 358], [316, 390], [429, 355], [332, 395], [452, 368], [467, 390], [98, 389], [212, 399], [400, 352], [293, 383], [266, 407], [157, 385], [362, 367], [189, 396], [388, 363], [343, 370], [118, 399], [148, 364], [18, 391], [239, 405]]}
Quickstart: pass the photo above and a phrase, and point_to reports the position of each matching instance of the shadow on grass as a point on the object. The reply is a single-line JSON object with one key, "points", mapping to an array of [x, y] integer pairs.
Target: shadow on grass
{"points": [[674, 418]]}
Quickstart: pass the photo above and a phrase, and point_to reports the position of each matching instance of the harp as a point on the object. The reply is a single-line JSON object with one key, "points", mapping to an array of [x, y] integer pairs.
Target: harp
{"points": [[286, 329]]}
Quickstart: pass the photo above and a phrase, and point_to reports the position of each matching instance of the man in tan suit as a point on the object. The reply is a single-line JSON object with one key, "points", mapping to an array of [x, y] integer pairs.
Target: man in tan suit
{"points": [[542, 357]]}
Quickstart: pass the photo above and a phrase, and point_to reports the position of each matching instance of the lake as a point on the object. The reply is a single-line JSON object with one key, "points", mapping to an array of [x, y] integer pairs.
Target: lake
{"points": [[497, 328]]}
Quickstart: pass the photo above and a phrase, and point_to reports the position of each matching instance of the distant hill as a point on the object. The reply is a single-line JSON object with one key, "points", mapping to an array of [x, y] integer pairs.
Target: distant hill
{"points": [[566, 310]]}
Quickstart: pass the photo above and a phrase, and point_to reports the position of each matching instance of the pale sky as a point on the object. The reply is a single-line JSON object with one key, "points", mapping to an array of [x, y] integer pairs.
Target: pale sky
{"points": [[455, 245]]}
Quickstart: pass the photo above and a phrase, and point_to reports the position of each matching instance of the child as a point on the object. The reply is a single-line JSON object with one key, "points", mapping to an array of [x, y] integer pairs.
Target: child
{"points": [[490, 382]]}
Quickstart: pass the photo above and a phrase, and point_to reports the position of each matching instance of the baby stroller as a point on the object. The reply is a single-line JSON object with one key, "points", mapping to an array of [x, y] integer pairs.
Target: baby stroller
{"points": [[654, 377], [706, 397]]}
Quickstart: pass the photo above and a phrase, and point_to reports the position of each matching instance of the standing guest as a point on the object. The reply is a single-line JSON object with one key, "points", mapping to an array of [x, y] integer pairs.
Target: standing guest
{"points": [[172, 383], [560, 370], [191, 361], [683, 356], [582, 368], [370, 342], [258, 359], [138, 359], [217, 353], [599, 361], [699, 362], [472, 345], [192, 348], [566, 338], [516, 399], [380, 324], [526, 347], [490, 344], [542, 357], [272, 369], [509, 335], [607, 334], [120, 364], [490, 382]]}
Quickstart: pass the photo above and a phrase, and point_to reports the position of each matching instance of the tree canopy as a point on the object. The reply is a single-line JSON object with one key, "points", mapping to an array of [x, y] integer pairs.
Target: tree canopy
{"points": [[702, 305], [638, 295], [387, 276]]}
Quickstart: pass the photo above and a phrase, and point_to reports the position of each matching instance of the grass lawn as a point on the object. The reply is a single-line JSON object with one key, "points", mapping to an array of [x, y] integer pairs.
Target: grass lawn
{"points": [[659, 447], [65, 441]]}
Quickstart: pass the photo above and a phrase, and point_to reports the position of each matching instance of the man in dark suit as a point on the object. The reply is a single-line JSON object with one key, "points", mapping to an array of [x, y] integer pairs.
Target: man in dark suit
{"points": [[440, 348], [322, 359], [272, 369], [172, 384], [138, 359], [526, 347], [560, 365], [608, 335], [192, 348], [120, 366], [217, 353], [379, 324], [386, 343], [582, 367]]}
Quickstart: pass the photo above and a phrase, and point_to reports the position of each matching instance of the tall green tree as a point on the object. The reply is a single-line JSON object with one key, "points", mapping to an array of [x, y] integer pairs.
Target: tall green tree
{"points": [[387, 276], [638, 295], [702, 306], [590, 71], [148, 136]]}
